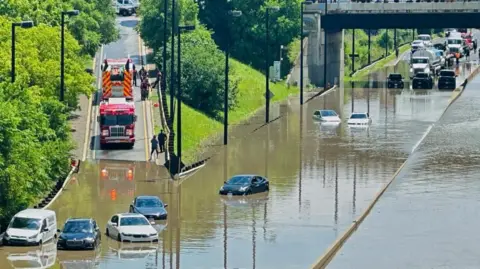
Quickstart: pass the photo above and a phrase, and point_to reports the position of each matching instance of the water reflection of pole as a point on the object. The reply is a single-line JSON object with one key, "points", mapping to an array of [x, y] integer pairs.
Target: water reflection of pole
{"points": [[354, 207], [163, 251], [254, 241], [386, 111], [300, 149], [353, 96], [177, 246], [368, 100], [324, 167], [225, 174], [171, 232], [336, 194]]}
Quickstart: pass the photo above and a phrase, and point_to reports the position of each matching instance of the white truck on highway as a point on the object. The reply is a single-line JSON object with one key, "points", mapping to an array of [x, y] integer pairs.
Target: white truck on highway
{"points": [[455, 44], [427, 40], [125, 7], [425, 61]]}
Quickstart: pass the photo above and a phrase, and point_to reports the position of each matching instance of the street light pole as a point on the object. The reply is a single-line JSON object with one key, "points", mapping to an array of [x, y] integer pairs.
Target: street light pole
{"points": [[231, 13], [301, 48], [164, 54], [172, 65], [23, 24], [62, 52], [179, 94], [267, 64]]}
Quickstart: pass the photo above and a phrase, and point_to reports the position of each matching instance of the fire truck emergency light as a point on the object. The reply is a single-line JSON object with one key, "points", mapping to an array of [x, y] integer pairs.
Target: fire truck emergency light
{"points": [[104, 172]]}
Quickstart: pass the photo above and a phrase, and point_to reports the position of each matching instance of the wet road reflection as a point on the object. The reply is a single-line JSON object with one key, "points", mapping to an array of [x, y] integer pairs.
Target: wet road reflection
{"points": [[321, 177], [429, 215]]}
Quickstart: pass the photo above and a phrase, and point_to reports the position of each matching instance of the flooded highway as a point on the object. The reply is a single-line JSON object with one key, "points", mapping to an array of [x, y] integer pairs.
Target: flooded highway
{"points": [[127, 46], [428, 216], [321, 178]]}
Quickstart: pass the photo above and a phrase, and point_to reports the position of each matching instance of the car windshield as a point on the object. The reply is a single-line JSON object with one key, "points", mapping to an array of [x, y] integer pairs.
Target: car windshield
{"points": [[395, 77], [447, 73], [239, 180], [133, 221], [148, 202], [25, 223], [420, 61], [110, 120], [358, 116], [424, 37], [78, 227], [454, 41], [328, 113]]}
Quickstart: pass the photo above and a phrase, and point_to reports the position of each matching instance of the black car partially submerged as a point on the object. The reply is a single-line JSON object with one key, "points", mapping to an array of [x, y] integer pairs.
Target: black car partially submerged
{"points": [[244, 185], [395, 81], [79, 234], [447, 80], [422, 81], [151, 207]]}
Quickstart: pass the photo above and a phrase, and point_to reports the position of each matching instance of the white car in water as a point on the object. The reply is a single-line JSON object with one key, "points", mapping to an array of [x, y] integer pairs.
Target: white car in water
{"points": [[131, 227], [359, 119], [329, 116]]}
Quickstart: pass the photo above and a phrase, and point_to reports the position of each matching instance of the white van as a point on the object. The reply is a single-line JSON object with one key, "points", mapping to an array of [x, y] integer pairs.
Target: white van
{"points": [[31, 227], [125, 7]]}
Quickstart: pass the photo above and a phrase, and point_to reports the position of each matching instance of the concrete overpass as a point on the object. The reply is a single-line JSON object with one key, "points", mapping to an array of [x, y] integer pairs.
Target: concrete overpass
{"points": [[326, 22]]}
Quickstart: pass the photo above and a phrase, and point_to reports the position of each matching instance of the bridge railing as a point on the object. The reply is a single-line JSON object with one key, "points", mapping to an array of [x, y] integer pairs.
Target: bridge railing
{"points": [[402, 7]]}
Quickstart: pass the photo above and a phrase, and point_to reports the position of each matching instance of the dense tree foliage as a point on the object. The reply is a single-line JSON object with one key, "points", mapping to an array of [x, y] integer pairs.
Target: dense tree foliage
{"points": [[35, 139], [202, 63], [94, 26]]}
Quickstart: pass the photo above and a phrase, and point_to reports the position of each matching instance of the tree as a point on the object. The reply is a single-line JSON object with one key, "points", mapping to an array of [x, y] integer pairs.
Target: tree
{"points": [[94, 26]]}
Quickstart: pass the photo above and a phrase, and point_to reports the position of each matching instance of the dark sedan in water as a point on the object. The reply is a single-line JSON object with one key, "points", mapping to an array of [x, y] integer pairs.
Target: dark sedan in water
{"points": [[149, 206], [244, 185], [79, 234]]}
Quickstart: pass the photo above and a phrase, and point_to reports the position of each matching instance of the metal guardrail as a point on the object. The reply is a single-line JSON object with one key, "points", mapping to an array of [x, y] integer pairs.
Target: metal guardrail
{"points": [[402, 7]]}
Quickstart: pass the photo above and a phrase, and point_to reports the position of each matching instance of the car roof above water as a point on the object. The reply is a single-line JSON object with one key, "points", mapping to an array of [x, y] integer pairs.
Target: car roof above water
{"points": [[35, 213]]}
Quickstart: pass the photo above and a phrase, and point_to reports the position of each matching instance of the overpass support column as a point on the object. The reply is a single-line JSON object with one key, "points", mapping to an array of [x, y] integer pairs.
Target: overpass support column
{"points": [[313, 70], [335, 59], [369, 42]]}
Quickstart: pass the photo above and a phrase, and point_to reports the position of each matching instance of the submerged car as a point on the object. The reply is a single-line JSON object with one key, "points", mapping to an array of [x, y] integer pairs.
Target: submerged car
{"points": [[359, 118], [149, 206], [422, 81], [326, 116], [447, 80], [79, 234], [131, 227], [395, 81], [245, 185]]}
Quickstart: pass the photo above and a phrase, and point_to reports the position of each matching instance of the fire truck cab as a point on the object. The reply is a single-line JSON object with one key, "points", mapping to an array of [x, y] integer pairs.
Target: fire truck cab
{"points": [[117, 122], [117, 78]]}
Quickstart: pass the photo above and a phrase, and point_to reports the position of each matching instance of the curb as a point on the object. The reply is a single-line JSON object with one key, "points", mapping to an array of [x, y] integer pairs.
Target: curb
{"points": [[59, 187], [325, 259]]}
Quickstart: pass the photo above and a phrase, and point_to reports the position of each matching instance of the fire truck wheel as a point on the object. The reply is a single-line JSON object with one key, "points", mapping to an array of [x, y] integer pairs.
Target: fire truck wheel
{"points": [[102, 146]]}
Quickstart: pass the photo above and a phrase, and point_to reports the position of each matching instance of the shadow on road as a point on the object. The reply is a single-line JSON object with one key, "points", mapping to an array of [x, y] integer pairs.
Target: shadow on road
{"points": [[129, 23]]}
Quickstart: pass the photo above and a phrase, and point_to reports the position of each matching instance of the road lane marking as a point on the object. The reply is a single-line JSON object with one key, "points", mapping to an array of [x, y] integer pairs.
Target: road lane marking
{"points": [[95, 137], [89, 115]]}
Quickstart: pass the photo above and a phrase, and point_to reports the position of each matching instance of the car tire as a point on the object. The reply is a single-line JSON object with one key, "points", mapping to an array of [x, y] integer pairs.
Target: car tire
{"points": [[249, 192], [107, 233], [268, 188], [119, 238], [5, 242]]}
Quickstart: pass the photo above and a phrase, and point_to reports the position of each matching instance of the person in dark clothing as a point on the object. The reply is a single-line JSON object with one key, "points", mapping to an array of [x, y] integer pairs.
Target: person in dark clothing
{"points": [[105, 65], [142, 73], [154, 143], [134, 76], [161, 140], [158, 78]]}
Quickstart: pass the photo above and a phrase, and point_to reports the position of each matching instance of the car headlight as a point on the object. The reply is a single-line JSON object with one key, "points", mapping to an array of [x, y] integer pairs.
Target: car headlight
{"points": [[155, 234], [427, 70], [124, 234], [411, 70], [89, 239], [105, 133], [244, 188], [221, 188], [33, 236]]}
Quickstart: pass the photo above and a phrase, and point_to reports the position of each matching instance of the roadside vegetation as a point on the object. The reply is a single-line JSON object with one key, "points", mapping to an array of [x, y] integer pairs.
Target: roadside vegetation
{"points": [[34, 130]]}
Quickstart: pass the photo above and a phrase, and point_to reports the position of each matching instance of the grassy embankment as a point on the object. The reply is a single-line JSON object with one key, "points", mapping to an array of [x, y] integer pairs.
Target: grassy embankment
{"points": [[197, 127]]}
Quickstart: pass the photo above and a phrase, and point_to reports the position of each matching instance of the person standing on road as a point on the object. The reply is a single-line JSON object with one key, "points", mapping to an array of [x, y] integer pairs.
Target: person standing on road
{"points": [[154, 144], [161, 141]]}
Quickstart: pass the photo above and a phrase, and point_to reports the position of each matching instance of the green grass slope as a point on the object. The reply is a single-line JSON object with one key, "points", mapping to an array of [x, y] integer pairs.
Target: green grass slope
{"points": [[197, 127]]}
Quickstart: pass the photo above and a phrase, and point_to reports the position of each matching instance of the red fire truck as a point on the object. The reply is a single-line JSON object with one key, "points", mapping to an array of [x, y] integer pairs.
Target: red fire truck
{"points": [[117, 122], [117, 78], [117, 180]]}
